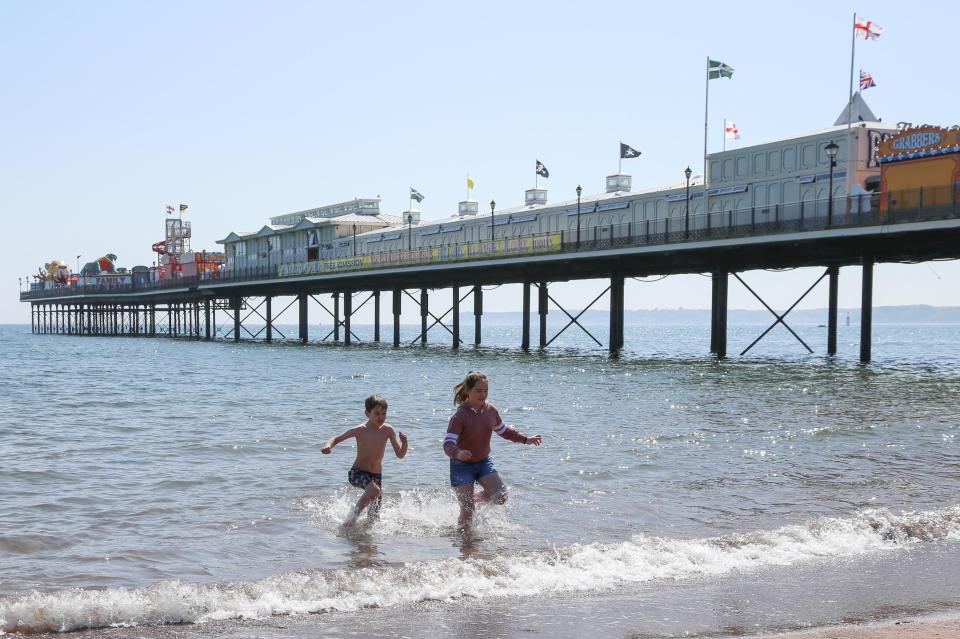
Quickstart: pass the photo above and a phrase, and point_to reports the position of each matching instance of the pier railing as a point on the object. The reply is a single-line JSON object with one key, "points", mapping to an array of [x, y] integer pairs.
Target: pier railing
{"points": [[892, 207]]}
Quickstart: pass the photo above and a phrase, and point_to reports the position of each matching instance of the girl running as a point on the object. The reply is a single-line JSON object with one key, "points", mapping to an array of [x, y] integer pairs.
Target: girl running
{"points": [[467, 444]]}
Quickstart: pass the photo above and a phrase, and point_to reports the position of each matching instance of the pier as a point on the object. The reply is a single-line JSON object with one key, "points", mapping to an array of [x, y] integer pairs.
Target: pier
{"points": [[863, 231]]}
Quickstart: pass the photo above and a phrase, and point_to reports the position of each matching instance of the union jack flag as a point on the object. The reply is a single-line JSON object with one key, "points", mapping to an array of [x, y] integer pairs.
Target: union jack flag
{"points": [[169, 208], [866, 80]]}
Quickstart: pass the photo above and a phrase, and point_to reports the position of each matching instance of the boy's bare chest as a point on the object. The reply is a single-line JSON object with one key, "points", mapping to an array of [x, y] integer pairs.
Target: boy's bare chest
{"points": [[372, 438]]}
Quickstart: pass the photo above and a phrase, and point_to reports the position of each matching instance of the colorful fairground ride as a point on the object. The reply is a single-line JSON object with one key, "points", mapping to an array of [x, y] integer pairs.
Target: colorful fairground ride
{"points": [[176, 260]]}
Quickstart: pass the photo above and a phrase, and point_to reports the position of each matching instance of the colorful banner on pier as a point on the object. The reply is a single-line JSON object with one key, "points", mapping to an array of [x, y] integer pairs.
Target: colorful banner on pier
{"points": [[428, 255]]}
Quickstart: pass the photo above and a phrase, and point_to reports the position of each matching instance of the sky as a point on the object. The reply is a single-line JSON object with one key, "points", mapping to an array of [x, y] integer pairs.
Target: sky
{"points": [[247, 110]]}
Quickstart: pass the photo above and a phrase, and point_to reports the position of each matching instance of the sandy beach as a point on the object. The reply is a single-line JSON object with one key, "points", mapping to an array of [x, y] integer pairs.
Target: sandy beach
{"points": [[916, 628]]}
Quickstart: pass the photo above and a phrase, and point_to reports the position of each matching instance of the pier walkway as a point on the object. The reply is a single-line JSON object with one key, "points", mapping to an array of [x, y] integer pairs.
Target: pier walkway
{"points": [[844, 232]]}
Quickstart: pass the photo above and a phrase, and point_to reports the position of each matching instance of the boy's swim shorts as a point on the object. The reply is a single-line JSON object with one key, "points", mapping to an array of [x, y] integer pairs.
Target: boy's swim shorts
{"points": [[360, 478]]}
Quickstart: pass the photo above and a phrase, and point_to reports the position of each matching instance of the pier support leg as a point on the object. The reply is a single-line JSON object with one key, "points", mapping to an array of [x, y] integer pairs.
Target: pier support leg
{"points": [[235, 303], [718, 337], [833, 274], [302, 320], [543, 307], [714, 287], [153, 320], [424, 313], [477, 313], [525, 334], [269, 301], [336, 317], [396, 317], [616, 314], [376, 317], [455, 310], [70, 320], [206, 319], [866, 309], [347, 312]]}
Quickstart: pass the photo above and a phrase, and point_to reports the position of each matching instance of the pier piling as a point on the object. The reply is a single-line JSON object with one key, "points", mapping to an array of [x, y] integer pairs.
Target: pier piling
{"points": [[866, 309]]}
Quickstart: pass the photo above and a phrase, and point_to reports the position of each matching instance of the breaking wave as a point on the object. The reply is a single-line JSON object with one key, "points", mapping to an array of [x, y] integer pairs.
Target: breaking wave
{"points": [[578, 567]]}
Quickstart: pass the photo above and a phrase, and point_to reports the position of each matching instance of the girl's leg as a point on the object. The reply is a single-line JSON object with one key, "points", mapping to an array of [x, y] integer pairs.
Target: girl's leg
{"points": [[494, 492], [465, 498]]}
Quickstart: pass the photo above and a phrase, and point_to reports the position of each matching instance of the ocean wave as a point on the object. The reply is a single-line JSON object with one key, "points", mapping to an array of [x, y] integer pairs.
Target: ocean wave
{"points": [[578, 567]]}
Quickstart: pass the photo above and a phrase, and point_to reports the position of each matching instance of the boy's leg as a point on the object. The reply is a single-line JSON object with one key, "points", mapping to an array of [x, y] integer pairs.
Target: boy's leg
{"points": [[465, 499], [373, 512], [370, 493], [494, 492]]}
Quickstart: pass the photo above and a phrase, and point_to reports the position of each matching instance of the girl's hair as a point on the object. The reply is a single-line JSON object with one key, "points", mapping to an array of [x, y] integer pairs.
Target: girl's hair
{"points": [[460, 390]]}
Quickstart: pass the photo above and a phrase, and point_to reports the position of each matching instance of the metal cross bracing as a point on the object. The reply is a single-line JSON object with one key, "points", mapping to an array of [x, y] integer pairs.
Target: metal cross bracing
{"points": [[574, 319], [348, 312], [425, 313], [246, 304], [780, 316]]}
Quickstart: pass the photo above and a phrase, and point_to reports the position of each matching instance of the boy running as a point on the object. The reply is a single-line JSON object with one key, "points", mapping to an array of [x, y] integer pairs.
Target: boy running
{"points": [[367, 470]]}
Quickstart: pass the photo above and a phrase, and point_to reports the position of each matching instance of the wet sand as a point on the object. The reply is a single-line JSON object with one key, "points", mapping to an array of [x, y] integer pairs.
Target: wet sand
{"points": [[919, 628]]}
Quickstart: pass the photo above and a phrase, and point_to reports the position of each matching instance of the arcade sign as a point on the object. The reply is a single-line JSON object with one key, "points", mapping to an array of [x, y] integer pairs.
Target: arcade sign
{"points": [[922, 141]]}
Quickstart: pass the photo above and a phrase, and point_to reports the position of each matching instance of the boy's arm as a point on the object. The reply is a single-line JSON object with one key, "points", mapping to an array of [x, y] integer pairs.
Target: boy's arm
{"points": [[333, 441], [400, 448]]}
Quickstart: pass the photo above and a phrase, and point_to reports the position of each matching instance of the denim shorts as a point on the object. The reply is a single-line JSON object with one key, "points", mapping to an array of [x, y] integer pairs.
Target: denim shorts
{"points": [[464, 473]]}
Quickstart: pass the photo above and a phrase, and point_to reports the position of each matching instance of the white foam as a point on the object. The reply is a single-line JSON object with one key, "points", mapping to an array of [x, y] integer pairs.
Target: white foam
{"points": [[574, 568], [409, 513]]}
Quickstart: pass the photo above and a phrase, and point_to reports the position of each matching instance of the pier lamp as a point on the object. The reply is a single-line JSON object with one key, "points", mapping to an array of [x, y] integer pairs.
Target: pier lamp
{"points": [[831, 150], [354, 240], [579, 191], [78, 265], [20, 282], [493, 206], [686, 213], [409, 231]]}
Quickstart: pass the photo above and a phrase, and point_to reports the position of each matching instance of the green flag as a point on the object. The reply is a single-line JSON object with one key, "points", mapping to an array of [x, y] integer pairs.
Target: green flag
{"points": [[416, 195], [719, 70]]}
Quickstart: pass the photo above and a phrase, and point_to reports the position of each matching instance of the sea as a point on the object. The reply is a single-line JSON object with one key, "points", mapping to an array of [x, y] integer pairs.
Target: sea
{"points": [[155, 487]]}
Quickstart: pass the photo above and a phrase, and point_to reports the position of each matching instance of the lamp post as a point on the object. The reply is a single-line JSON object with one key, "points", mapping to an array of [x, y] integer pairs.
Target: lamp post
{"points": [[354, 240], [409, 231], [831, 150], [686, 213], [78, 265], [579, 191], [493, 206], [20, 282]]}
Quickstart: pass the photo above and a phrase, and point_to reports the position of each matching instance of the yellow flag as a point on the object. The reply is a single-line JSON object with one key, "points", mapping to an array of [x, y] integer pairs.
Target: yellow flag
{"points": [[469, 182]]}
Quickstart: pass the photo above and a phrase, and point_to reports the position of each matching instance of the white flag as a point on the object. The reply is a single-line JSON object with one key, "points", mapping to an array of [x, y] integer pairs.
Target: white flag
{"points": [[730, 130]]}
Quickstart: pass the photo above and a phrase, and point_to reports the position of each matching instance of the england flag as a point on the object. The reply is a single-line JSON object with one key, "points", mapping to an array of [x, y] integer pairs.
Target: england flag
{"points": [[730, 130]]}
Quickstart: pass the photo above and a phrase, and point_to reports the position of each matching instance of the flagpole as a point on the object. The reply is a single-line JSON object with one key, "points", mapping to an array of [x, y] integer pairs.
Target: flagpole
{"points": [[853, 47], [620, 161], [706, 111], [724, 135]]}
